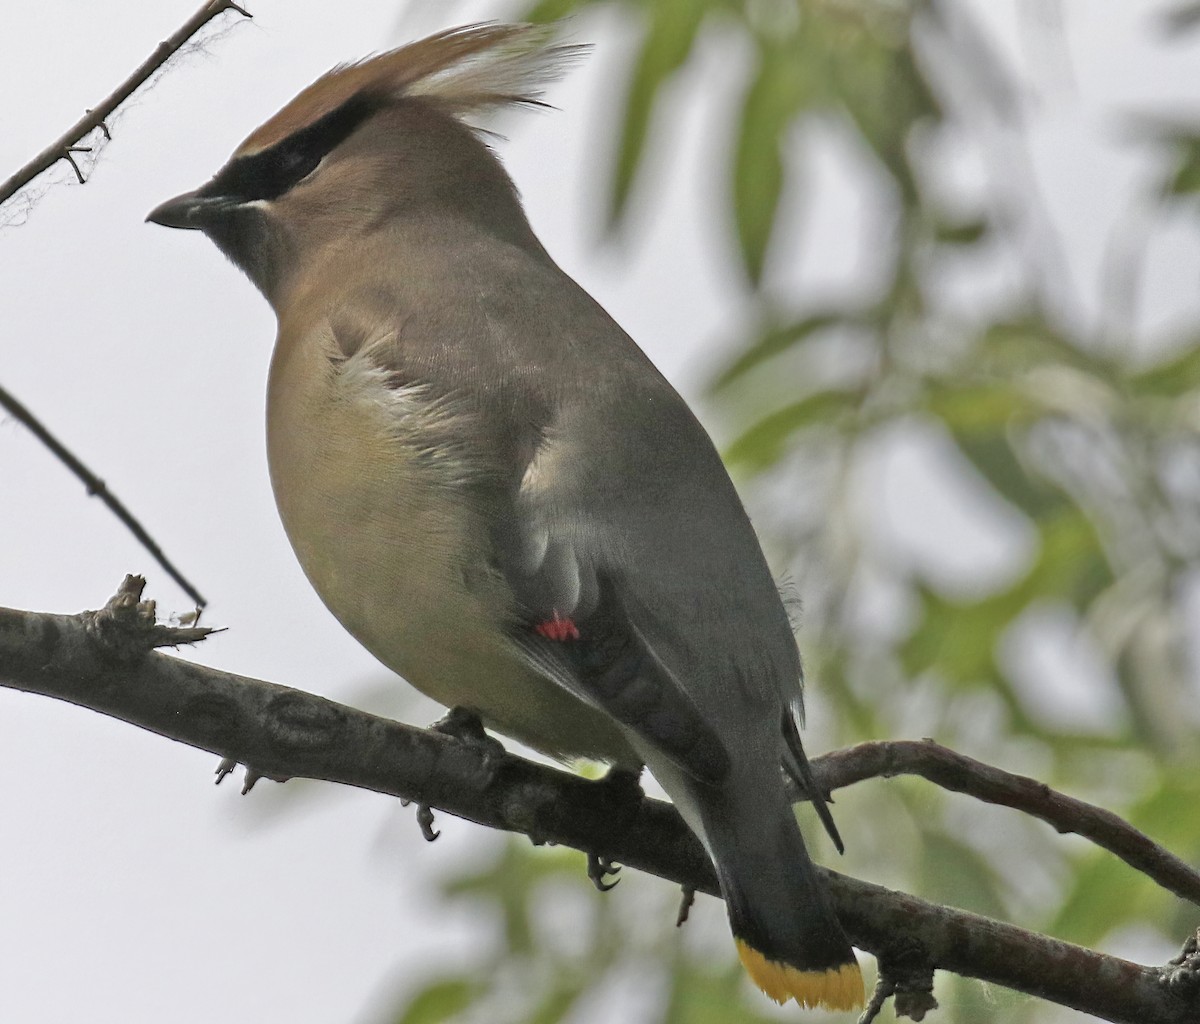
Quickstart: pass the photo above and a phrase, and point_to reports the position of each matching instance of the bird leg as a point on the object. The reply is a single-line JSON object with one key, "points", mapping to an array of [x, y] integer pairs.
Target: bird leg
{"points": [[622, 790], [466, 727]]}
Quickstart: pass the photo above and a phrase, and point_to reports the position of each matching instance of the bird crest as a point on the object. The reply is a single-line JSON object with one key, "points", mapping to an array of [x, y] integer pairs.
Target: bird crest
{"points": [[465, 71]]}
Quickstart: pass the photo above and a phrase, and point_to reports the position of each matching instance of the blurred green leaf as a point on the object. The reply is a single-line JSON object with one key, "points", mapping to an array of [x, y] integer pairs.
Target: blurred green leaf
{"points": [[1170, 379], [957, 874], [967, 233], [557, 1003], [997, 461], [957, 640], [780, 87], [993, 457], [666, 45], [775, 341], [510, 881], [1168, 813], [883, 89], [1185, 180], [1010, 347], [552, 10], [1104, 894], [983, 409], [700, 996], [1071, 563], [763, 444], [440, 1001]]}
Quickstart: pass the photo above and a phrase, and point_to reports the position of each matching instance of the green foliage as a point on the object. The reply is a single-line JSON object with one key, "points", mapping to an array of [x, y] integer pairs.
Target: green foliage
{"points": [[439, 1002], [667, 43], [954, 872], [764, 443], [1186, 179], [700, 995], [777, 339], [1064, 428], [532, 975]]}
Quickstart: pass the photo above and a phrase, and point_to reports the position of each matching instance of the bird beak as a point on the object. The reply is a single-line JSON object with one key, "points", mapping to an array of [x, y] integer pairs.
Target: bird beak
{"points": [[192, 210]]}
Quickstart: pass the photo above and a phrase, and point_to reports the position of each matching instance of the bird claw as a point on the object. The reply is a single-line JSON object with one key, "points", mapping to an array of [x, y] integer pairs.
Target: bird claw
{"points": [[622, 791], [425, 820], [229, 764], [466, 727], [685, 905], [598, 867]]}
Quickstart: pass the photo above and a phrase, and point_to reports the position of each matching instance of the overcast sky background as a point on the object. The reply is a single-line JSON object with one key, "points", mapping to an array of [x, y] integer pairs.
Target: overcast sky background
{"points": [[131, 889]]}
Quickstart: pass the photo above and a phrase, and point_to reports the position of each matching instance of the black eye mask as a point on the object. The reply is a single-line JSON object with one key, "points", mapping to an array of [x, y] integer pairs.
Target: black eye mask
{"points": [[270, 173]]}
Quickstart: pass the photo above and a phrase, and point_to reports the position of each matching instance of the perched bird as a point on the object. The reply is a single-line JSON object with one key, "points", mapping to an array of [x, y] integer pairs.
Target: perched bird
{"points": [[492, 487]]}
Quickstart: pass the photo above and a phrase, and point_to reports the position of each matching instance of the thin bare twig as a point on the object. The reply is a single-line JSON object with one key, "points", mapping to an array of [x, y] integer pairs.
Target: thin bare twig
{"points": [[68, 143], [282, 733], [962, 774], [97, 487]]}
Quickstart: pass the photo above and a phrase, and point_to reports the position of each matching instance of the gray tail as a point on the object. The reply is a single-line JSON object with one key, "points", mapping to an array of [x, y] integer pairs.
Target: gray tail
{"points": [[781, 917]]}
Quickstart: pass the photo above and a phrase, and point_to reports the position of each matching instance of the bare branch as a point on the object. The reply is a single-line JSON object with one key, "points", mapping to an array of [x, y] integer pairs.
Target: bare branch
{"points": [[280, 732], [963, 774], [97, 488], [68, 143]]}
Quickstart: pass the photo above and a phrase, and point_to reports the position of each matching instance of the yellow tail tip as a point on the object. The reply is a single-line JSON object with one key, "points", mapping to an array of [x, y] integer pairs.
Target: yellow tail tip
{"points": [[839, 988]]}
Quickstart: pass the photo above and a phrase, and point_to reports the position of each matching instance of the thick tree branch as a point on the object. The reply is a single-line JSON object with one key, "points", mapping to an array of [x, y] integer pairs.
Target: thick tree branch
{"points": [[67, 144], [283, 732]]}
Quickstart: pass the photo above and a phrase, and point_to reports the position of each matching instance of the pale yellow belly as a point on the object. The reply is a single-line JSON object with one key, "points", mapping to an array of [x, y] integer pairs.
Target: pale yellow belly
{"points": [[398, 556]]}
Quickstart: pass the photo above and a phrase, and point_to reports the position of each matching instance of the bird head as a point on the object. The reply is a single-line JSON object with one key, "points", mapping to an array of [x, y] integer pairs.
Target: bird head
{"points": [[370, 144]]}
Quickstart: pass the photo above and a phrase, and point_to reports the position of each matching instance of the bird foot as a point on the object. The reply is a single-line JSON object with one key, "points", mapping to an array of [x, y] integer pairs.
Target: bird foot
{"points": [[598, 868], [623, 787], [228, 765], [622, 792], [466, 726], [685, 905]]}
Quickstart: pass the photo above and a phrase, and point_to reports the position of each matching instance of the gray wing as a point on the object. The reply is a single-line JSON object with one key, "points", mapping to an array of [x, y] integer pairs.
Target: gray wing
{"points": [[609, 506], [626, 525]]}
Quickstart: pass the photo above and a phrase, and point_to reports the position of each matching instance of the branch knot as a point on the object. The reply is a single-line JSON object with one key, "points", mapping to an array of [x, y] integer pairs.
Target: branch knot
{"points": [[126, 629], [905, 974], [1182, 973], [297, 723]]}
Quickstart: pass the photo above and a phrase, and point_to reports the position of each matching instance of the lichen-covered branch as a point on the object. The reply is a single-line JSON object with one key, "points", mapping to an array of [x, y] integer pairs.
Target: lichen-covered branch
{"points": [[101, 660]]}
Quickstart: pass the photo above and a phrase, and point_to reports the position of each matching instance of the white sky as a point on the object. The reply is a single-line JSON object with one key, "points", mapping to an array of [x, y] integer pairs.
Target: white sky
{"points": [[132, 889]]}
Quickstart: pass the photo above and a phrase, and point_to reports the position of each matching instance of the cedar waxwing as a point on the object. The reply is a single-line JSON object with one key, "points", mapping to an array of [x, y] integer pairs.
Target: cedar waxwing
{"points": [[493, 489]]}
